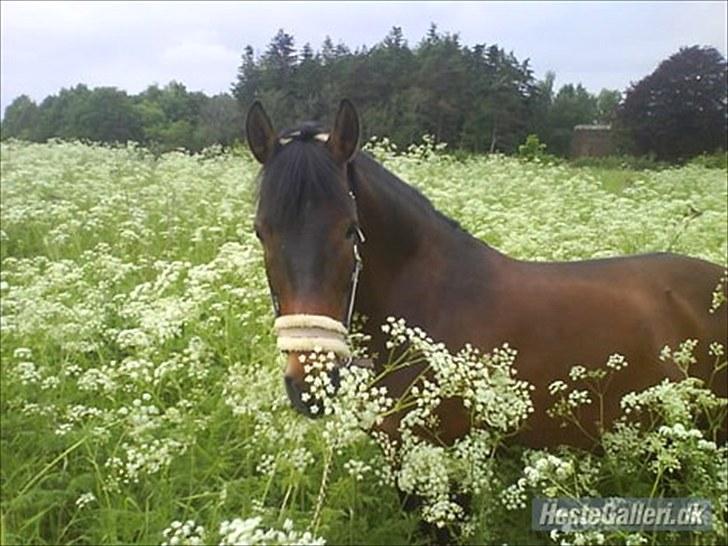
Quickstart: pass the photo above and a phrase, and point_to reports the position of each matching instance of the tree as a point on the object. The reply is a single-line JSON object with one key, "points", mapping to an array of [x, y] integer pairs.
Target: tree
{"points": [[573, 105], [58, 114], [679, 110], [221, 121], [280, 59], [328, 51], [106, 115], [21, 118], [306, 85], [498, 93], [441, 83], [607, 103], [170, 117], [541, 102], [480, 98], [249, 79]]}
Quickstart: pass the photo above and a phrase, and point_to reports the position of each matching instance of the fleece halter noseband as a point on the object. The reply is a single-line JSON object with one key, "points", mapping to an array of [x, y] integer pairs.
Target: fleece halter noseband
{"points": [[305, 332]]}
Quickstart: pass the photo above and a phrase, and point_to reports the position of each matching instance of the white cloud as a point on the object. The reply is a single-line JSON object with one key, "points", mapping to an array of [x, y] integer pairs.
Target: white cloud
{"points": [[47, 45], [197, 53]]}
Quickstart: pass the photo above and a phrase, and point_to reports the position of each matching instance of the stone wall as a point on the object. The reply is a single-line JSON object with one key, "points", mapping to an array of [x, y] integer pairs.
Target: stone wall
{"points": [[591, 141]]}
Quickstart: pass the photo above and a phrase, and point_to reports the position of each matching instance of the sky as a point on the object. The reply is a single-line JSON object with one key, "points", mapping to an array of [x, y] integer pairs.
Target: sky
{"points": [[49, 45]]}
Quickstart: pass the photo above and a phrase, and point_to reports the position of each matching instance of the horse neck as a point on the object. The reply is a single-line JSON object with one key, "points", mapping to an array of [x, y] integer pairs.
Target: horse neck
{"points": [[406, 242], [395, 227]]}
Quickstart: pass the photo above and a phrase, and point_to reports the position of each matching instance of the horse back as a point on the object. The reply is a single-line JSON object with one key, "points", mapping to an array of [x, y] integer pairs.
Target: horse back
{"points": [[558, 315]]}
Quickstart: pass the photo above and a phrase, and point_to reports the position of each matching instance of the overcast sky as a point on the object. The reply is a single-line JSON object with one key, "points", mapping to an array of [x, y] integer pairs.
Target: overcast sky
{"points": [[47, 45]]}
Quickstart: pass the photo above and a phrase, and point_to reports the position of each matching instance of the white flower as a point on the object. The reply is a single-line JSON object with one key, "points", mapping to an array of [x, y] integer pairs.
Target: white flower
{"points": [[557, 387], [85, 499], [616, 362], [577, 372]]}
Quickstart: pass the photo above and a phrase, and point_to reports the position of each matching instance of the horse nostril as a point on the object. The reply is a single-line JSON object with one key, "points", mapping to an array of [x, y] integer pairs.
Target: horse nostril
{"points": [[335, 378], [293, 392]]}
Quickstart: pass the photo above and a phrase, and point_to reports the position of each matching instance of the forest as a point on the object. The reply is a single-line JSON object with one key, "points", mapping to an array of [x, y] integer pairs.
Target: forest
{"points": [[477, 99]]}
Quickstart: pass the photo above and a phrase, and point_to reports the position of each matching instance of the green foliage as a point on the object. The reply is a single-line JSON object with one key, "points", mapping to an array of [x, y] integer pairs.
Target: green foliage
{"points": [[679, 110], [474, 98], [162, 119], [141, 385], [628, 162], [718, 160], [618, 172], [21, 116], [105, 115], [478, 98], [607, 103], [573, 105], [533, 149]]}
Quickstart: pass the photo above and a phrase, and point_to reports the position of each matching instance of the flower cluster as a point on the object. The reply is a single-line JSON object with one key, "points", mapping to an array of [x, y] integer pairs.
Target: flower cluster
{"points": [[357, 469], [719, 297], [436, 473], [249, 531], [569, 399], [142, 459], [184, 534], [683, 356], [674, 402], [85, 499], [318, 367]]}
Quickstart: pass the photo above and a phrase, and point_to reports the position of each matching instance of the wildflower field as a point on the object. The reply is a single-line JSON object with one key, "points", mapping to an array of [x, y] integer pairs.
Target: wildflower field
{"points": [[142, 397]]}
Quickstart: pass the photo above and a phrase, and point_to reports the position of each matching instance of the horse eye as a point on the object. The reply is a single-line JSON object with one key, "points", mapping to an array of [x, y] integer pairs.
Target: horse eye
{"points": [[257, 233]]}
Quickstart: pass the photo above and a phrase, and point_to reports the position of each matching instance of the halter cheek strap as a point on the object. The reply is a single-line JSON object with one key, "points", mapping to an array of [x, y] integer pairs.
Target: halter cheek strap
{"points": [[358, 265]]}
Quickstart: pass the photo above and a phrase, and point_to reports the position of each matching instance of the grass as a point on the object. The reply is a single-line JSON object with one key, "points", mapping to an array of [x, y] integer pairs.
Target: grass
{"points": [[140, 378]]}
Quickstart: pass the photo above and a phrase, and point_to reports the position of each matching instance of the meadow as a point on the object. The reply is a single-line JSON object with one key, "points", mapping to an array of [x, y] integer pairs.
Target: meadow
{"points": [[142, 397]]}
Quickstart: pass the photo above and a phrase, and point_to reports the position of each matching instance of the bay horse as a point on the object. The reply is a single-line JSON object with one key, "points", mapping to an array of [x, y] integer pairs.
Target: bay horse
{"points": [[320, 198]]}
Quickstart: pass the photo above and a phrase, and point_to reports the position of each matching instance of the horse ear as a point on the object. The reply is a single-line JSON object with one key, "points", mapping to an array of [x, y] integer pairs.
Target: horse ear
{"points": [[344, 139], [259, 132]]}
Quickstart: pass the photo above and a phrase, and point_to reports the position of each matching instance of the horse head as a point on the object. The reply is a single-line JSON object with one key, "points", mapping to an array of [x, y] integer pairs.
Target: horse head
{"points": [[307, 223]]}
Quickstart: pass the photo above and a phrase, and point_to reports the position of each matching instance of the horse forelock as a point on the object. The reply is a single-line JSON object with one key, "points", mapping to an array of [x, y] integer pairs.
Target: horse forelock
{"points": [[301, 173], [307, 131]]}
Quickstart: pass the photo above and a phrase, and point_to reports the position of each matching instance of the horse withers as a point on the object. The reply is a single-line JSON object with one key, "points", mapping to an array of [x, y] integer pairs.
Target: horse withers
{"points": [[320, 196]]}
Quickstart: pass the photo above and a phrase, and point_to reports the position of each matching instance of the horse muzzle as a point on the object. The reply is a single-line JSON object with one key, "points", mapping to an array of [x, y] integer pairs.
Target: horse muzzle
{"points": [[302, 338]]}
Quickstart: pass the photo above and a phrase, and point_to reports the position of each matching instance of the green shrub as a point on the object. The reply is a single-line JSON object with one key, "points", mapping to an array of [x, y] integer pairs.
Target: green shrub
{"points": [[717, 160], [535, 150]]}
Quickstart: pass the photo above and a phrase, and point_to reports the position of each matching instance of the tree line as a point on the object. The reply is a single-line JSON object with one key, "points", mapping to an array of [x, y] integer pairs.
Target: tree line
{"points": [[163, 119], [477, 98]]}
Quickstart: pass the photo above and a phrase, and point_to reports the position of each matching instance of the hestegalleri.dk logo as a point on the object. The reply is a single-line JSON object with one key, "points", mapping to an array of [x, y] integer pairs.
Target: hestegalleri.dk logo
{"points": [[626, 514]]}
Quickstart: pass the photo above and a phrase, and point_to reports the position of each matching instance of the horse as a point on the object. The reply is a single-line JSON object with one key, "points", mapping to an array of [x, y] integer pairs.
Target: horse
{"points": [[341, 233]]}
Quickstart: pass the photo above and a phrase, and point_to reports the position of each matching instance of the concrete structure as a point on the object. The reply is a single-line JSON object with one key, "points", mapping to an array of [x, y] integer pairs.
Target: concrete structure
{"points": [[592, 141]]}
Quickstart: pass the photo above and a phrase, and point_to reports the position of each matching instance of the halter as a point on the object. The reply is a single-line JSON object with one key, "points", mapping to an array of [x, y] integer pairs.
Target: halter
{"points": [[305, 332]]}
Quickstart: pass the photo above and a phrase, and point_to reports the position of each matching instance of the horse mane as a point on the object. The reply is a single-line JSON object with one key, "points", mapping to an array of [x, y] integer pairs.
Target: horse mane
{"points": [[302, 172], [397, 189]]}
